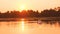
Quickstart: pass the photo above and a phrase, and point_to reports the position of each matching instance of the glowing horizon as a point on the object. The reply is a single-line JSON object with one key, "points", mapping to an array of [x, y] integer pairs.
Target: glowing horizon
{"points": [[40, 5]]}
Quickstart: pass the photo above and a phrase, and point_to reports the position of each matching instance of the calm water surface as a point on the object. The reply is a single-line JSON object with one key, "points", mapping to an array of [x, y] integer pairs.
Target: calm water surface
{"points": [[28, 27]]}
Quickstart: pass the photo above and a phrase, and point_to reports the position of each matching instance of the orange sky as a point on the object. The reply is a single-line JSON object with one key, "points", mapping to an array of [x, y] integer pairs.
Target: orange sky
{"points": [[30, 4]]}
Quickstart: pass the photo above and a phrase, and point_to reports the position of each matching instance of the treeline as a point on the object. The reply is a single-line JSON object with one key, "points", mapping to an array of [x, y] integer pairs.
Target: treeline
{"points": [[50, 13], [18, 14], [30, 13]]}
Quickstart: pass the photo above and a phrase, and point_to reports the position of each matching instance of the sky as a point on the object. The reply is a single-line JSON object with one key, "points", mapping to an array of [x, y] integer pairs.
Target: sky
{"points": [[6, 5]]}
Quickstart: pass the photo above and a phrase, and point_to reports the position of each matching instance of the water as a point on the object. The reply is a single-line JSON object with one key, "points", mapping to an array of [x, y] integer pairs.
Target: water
{"points": [[29, 27]]}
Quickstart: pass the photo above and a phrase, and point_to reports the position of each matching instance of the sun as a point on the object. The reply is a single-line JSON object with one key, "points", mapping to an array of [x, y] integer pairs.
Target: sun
{"points": [[22, 7]]}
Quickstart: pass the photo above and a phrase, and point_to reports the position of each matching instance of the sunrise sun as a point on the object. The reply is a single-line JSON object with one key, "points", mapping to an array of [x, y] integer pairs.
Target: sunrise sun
{"points": [[22, 7]]}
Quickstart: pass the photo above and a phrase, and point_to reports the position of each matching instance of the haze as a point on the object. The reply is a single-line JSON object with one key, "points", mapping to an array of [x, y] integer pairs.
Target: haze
{"points": [[6, 5]]}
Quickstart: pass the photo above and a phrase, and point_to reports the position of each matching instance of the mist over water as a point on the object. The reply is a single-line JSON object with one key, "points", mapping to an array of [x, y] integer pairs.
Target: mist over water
{"points": [[29, 27]]}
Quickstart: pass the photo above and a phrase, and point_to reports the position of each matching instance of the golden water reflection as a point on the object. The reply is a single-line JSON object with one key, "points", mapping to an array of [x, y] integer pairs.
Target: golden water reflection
{"points": [[22, 24], [28, 27]]}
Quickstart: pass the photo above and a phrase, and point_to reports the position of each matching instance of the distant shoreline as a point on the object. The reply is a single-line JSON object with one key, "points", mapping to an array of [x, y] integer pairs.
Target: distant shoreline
{"points": [[32, 18]]}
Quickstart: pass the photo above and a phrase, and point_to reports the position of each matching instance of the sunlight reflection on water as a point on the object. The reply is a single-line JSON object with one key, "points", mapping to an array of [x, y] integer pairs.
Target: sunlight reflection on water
{"points": [[28, 27], [22, 24]]}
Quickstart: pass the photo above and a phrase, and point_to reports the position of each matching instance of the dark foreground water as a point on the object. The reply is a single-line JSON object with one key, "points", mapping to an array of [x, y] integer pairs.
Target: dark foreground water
{"points": [[29, 27]]}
